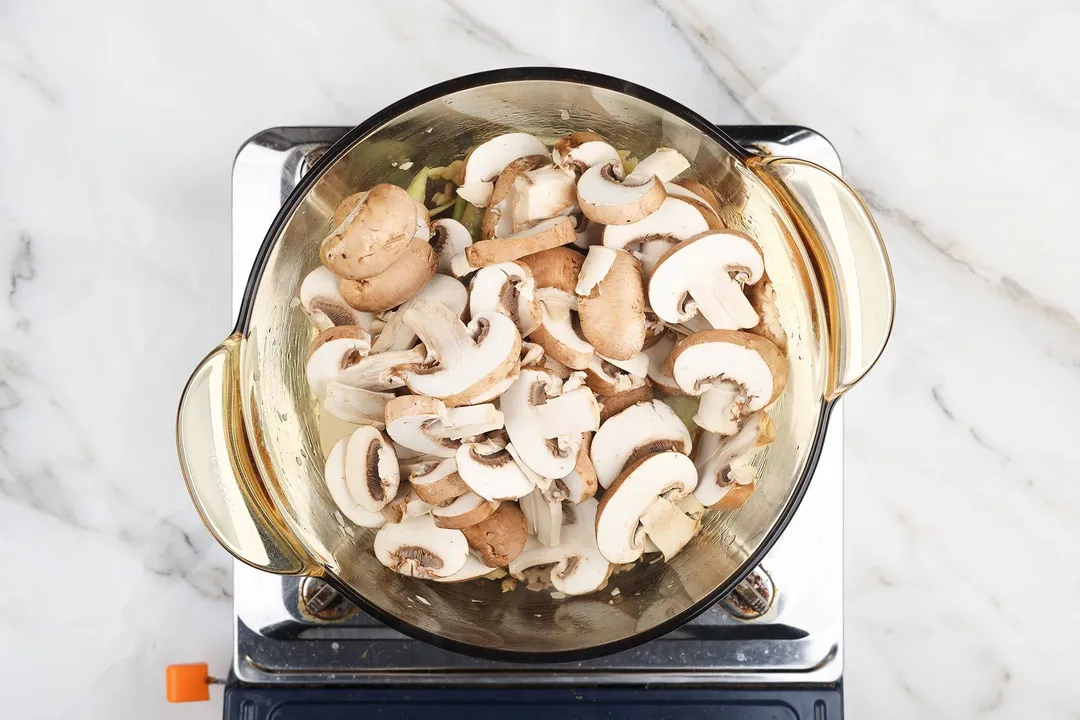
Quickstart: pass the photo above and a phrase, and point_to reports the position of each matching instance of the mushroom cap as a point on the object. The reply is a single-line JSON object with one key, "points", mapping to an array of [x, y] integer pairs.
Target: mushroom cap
{"points": [[373, 235], [579, 566], [491, 472], [612, 405], [396, 283], [542, 193], [468, 360], [463, 511], [396, 335], [320, 298], [716, 455], [557, 268], [346, 206], [506, 288], [498, 220], [605, 378], [548, 457], [417, 547], [371, 469], [612, 314], [408, 419], [557, 334], [335, 354], [675, 220], [500, 538], [579, 151], [701, 268], [664, 164], [618, 520], [437, 483], [339, 489], [605, 199], [448, 238], [638, 431], [541, 235], [489, 158], [702, 360]]}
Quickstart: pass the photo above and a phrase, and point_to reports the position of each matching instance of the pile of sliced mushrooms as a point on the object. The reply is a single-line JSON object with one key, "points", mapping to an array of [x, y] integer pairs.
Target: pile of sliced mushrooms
{"points": [[511, 367]]}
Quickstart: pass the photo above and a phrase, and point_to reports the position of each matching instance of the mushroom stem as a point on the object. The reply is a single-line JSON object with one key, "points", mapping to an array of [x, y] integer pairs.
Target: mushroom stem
{"points": [[721, 300], [668, 527], [721, 409], [439, 328], [571, 413]]}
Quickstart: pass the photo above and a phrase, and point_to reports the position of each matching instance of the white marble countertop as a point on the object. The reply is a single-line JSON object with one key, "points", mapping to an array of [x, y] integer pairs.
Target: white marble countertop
{"points": [[119, 123]]}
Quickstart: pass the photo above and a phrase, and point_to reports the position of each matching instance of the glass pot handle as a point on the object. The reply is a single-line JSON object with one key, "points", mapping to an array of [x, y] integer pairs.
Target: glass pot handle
{"points": [[850, 258], [219, 470]]}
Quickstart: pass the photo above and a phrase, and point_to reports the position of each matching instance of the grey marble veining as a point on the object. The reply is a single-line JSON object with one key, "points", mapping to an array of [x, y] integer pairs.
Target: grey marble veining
{"points": [[956, 120]]}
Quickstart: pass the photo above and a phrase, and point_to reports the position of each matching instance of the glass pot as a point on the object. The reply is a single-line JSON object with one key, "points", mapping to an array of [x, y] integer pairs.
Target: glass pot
{"points": [[248, 433]]}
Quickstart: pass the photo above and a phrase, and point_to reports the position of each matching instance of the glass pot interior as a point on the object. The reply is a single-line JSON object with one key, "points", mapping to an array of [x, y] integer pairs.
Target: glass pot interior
{"points": [[281, 416]]}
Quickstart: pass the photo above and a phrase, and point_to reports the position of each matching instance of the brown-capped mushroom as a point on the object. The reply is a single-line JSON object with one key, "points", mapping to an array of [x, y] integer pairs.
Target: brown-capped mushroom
{"points": [[490, 471], [506, 288], [419, 548], [437, 482], [611, 303], [578, 566], [638, 431], [725, 477], [396, 335], [606, 198], [372, 236], [449, 238], [498, 220], [487, 160], [541, 235], [464, 511], [335, 354], [321, 300], [579, 151], [500, 538], [397, 283]]}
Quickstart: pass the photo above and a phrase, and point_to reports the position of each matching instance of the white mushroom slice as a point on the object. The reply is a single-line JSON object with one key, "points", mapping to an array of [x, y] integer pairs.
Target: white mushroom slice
{"points": [[710, 213], [579, 151], [544, 517], [419, 548], [542, 193], [735, 373], [405, 505], [606, 378], [534, 477], [668, 527], [529, 430], [464, 511], [506, 288], [581, 483], [336, 354], [383, 371], [497, 389], [473, 569], [488, 159], [675, 221], [586, 232], [498, 220], [396, 335], [339, 489], [612, 313], [372, 236], [691, 506], [491, 472], [619, 534], [437, 483], [555, 367], [531, 354], [706, 274], [557, 334], [664, 164], [604, 198], [595, 268], [459, 265], [500, 538], [467, 421], [658, 355], [408, 419], [570, 413], [541, 235], [355, 405], [638, 365], [477, 193], [636, 432], [371, 469], [579, 567], [449, 238], [725, 477], [321, 301], [462, 361]]}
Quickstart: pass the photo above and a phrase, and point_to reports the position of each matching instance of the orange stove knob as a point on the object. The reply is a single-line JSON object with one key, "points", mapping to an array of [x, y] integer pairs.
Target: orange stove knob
{"points": [[187, 683]]}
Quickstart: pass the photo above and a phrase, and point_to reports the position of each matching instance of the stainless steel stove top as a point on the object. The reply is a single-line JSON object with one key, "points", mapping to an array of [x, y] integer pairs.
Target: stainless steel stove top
{"points": [[298, 631]]}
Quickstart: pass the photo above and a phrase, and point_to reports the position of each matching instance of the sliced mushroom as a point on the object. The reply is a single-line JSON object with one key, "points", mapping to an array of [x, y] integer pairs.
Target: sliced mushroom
{"points": [[464, 361], [498, 220], [448, 238], [384, 371], [555, 268], [557, 333], [612, 311], [397, 283], [586, 232], [487, 160], [464, 511], [578, 565], [542, 235], [658, 355], [342, 496], [346, 206], [735, 373], [675, 221], [605, 378], [654, 329], [437, 483], [419, 548], [506, 288], [619, 533], [355, 404], [706, 274], [426, 425], [612, 405], [664, 165], [702, 191], [371, 469], [762, 297], [543, 193], [544, 428], [396, 335], [579, 151], [405, 505], [710, 213], [372, 236], [605, 198], [725, 477], [500, 538], [581, 484], [321, 301], [668, 527], [335, 354], [467, 421], [638, 431], [474, 569], [543, 516], [532, 355], [490, 472]]}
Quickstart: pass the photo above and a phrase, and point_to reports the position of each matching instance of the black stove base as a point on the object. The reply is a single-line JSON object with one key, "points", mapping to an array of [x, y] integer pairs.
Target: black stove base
{"points": [[456, 703]]}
